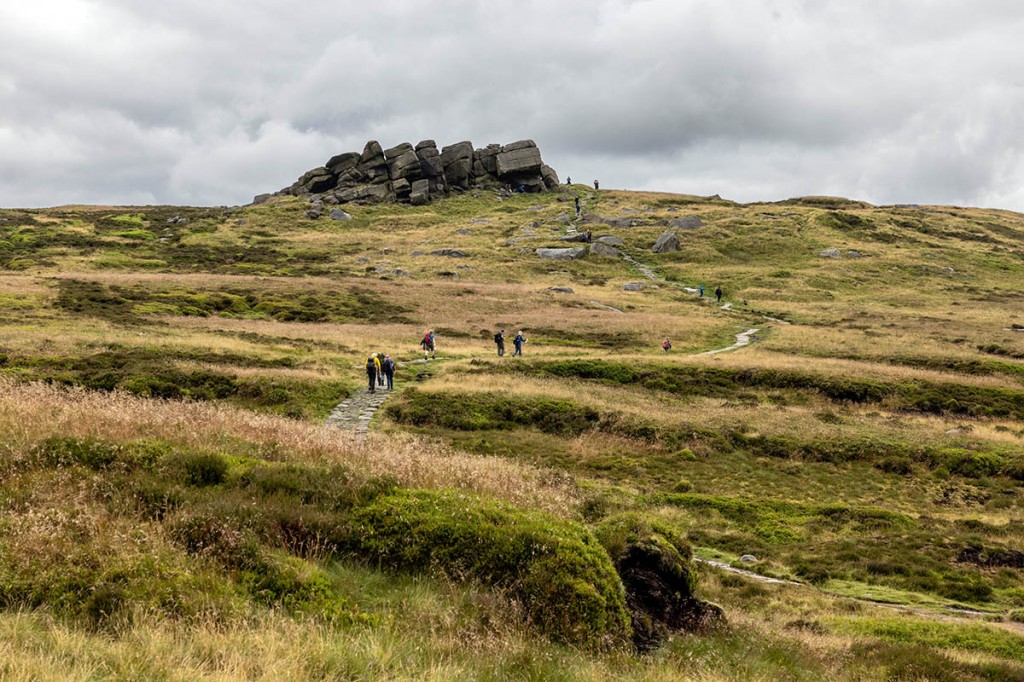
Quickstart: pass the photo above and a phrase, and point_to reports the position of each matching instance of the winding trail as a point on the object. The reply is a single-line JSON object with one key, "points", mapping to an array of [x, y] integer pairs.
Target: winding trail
{"points": [[742, 339]]}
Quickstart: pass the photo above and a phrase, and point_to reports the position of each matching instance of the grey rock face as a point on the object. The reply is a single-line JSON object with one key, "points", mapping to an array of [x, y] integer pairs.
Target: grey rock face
{"points": [[338, 214], [690, 222], [550, 176], [457, 161], [667, 243], [574, 253], [578, 237], [342, 162], [420, 193], [635, 286], [516, 158], [610, 240], [599, 249], [261, 198], [561, 290], [830, 253], [392, 174]]}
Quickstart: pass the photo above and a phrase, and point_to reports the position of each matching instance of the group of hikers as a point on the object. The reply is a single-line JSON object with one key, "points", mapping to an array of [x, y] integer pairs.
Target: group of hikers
{"points": [[380, 368], [499, 341]]}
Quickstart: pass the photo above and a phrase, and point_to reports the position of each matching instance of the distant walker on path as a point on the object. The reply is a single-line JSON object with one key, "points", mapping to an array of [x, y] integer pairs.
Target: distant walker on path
{"points": [[518, 342], [429, 344], [388, 367], [372, 367], [499, 341], [718, 293]]}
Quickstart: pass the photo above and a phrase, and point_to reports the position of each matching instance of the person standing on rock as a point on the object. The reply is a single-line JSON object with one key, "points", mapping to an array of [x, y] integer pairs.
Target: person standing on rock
{"points": [[718, 293], [372, 365], [568, 180], [388, 366], [499, 341], [518, 343]]}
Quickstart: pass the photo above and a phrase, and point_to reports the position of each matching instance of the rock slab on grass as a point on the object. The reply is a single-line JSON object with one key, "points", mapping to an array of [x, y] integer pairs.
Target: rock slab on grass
{"points": [[668, 242], [574, 253]]}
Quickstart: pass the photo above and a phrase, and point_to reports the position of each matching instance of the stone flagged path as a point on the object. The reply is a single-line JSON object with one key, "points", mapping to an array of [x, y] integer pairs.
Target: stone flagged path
{"points": [[355, 412]]}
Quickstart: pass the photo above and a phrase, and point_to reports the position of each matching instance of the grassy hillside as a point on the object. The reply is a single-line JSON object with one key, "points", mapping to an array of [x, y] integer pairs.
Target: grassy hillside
{"points": [[173, 506]]}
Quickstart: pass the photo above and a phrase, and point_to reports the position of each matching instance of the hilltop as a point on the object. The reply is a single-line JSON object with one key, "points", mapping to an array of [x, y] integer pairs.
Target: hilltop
{"points": [[172, 503]]}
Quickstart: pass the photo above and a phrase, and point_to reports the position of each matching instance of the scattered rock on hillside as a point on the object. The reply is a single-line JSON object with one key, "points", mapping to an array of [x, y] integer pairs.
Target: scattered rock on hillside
{"points": [[338, 214], [574, 253], [574, 237], [830, 253], [601, 249], [748, 559], [451, 253], [561, 290], [668, 242], [638, 286], [690, 222], [610, 240]]}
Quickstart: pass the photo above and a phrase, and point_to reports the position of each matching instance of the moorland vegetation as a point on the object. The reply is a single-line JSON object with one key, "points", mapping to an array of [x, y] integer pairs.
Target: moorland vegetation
{"points": [[172, 505]]}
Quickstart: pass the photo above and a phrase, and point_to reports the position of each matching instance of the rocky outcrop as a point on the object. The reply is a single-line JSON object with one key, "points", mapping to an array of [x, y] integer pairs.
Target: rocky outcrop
{"points": [[417, 175]]}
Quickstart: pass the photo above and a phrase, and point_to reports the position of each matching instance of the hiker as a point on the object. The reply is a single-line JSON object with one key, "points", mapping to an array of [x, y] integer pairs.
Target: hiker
{"points": [[499, 340], [589, 236], [666, 345], [389, 371], [702, 291], [518, 342], [372, 366], [380, 369], [718, 293], [596, 186], [428, 344], [577, 207], [568, 180]]}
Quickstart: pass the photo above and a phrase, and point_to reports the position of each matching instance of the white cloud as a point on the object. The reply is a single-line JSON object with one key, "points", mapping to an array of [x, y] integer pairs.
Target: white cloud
{"points": [[200, 101]]}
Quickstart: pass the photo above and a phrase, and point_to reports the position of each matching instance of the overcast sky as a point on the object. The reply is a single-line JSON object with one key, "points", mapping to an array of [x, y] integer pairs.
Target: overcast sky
{"points": [[210, 102]]}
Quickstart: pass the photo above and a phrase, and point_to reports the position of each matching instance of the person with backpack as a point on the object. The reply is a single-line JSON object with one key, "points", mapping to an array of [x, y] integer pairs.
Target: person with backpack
{"points": [[499, 341], [666, 345], [429, 344], [372, 367], [518, 343], [702, 291], [388, 367], [718, 293]]}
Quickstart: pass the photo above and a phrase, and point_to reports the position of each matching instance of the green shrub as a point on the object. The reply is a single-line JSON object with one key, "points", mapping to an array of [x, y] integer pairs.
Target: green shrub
{"points": [[558, 569], [198, 469]]}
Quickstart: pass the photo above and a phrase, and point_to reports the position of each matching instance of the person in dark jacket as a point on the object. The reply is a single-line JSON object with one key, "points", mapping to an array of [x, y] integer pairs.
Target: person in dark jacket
{"points": [[718, 293], [499, 341], [388, 367], [518, 343], [372, 364]]}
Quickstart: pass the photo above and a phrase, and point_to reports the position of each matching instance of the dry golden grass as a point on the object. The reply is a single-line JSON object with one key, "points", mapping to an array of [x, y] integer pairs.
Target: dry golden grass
{"points": [[32, 412]]}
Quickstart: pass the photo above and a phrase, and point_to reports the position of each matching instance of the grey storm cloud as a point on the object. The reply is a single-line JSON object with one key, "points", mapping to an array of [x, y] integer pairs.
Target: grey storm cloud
{"points": [[209, 102]]}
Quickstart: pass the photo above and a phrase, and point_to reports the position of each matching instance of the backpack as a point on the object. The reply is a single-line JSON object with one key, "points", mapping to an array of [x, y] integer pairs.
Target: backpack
{"points": [[498, 338], [370, 364], [389, 365]]}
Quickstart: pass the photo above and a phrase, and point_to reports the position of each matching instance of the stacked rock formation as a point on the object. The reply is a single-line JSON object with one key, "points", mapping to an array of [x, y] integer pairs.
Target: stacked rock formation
{"points": [[418, 174]]}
